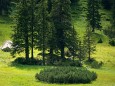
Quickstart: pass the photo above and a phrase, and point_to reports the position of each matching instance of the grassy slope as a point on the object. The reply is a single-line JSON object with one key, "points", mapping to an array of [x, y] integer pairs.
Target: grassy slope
{"points": [[24, 75], [5, 29]]}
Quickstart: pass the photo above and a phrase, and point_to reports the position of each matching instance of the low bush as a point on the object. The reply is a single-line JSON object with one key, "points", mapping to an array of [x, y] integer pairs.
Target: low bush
{"points": [[30, 61], [112, 42], [66, 75], [67, 62], [94, 64], [7, 49]]}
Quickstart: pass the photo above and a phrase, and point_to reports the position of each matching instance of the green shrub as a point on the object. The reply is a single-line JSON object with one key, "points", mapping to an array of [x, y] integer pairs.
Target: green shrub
{"points": [[7, 49], [94, 64], [30, 61], [67, 62], [66, 75], [112, 42]]}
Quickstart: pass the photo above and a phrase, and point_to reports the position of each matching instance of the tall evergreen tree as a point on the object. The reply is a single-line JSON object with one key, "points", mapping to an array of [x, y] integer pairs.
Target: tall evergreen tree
{"points": [[21, 30], [42, 28], [5, 7], [32, 25], [93, 16], [61, 15], [89, 42]]}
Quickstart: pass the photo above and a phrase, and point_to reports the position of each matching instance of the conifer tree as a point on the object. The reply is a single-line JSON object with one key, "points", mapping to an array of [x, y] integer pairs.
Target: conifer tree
{"points": [[32, 25], [73, 43], [21, 30], [89, 42], [61, 15], [42, 26], [93, 16], [81, 51]]}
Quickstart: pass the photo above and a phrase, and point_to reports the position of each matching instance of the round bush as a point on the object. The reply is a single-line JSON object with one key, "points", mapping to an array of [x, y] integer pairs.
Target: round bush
{"points": [[30, 61], [66, 75]]}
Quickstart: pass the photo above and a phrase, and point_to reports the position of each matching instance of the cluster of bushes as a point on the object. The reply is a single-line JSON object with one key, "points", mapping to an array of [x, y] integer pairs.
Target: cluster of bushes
{"points": [[94, 64], [30, 61], [67, 62], [66, 75]]}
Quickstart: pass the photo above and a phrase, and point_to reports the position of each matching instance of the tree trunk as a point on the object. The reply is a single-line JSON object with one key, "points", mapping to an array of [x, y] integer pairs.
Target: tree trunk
{"points": [[89, 55], [26, 47], [32, 27], [51, 55], [43, 32], [62, 53]]}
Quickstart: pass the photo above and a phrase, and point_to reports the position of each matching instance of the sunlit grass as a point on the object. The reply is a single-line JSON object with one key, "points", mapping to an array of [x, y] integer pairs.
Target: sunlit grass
{"points": [[24, 75]]}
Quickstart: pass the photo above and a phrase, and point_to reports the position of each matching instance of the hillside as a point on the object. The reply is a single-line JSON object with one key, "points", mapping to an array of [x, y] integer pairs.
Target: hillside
{"points": [[24, 75]]}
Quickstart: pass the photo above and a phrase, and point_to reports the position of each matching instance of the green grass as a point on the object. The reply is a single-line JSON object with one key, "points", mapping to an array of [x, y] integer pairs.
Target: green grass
{"points": [[5, 29], [25, 76], [20, 75]]}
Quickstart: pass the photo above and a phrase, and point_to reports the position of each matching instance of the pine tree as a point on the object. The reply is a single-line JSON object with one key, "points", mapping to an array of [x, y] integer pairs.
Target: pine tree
{"points": [[73, 43], [42, 26], [49, 3], [93, 16], [89, 42], [21, 30], [32, 25], [61, 15], [58, 15], [81, 51], [5, 7]]}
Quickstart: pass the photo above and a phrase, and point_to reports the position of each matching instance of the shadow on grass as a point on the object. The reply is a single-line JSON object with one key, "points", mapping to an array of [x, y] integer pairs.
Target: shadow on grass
{"points": [[27, 67]]}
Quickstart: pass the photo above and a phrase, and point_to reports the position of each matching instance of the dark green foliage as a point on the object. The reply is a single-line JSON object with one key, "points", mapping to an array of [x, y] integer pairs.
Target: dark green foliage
{"points": [[30, 61], [61, 16], [100, 41], [110, 32], [94, 64], [93, 16], [113, 15], [89, 42], [107, 4], [112, 42], [69, 62], [82, 51], [42, 28], [5, 7], [20, 36], [66, 75], [24, 30]]}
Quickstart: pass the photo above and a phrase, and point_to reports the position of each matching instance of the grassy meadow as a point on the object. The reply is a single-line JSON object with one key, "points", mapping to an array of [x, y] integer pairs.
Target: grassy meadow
{"points": [[24, 75]]}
